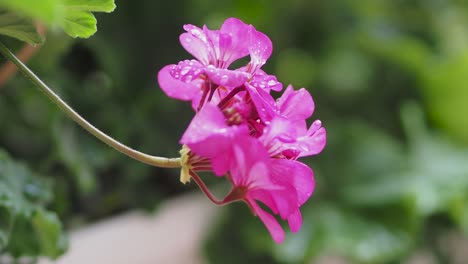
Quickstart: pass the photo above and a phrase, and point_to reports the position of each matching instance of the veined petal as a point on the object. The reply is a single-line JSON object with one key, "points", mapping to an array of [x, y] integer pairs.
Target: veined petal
{"points": [[196, 43], [226, 78], [260, 48], [296, 174], [314, 141], [264, 103], [278, 135], [250, 166], [176, 88], [296, 105], [275, 229], [266, 82], [233, 40], [295, 221], [209, 136], [187, 70]]}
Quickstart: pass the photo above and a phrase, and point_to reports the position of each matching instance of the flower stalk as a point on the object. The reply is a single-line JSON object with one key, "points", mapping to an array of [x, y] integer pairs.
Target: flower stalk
{"points": [[132, 153]]}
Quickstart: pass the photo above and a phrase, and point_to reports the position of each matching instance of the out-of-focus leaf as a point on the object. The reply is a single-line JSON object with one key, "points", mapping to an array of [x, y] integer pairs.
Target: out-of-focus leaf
{"points": [[18, 27], [73, 155], [78, 21], [366, 237], [446, 92], [46, 10], [245, 238], [26, 227], [74, 16], [436, 173]]}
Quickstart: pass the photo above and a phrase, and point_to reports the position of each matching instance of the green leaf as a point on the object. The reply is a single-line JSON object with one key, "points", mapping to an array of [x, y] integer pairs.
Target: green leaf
{"points": [[46, 10], [18, 27], [74, 16], [26, 227], [79, 24], [78, 20], [90, 5]]}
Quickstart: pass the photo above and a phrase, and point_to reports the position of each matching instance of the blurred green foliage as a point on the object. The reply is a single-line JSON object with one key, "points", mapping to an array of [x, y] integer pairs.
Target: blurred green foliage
{"points": [[75, 17], [388, 79], [26, 228]]}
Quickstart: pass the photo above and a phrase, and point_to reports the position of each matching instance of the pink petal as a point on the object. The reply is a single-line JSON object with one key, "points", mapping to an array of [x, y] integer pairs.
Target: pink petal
{"points": [[296, 174], [278, 135], [176, 88], [275, 229], [260, 48], [234, 40], [187, 70], [265, 81], [265, 196], [295, 221], [264, 103], [296, 105], [209, 136], [226, 78], [196, 43], [314, 141], [250, 165]]}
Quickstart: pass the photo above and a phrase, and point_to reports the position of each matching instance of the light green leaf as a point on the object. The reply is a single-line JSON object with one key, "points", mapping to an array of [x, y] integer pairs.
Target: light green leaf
{"points": [[78, 20], [48, 230], [18, 27], [79, 24], [93, 5], [46, 10], [74, 16]]}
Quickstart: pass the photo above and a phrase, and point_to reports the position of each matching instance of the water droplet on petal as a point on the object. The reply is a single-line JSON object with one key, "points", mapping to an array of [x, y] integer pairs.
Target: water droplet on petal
{"points": [[185, 70], [271, 82], [224, 79]]}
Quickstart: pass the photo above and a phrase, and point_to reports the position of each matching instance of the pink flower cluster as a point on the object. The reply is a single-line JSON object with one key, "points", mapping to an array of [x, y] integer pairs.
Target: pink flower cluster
{"points": [[239, 130]]}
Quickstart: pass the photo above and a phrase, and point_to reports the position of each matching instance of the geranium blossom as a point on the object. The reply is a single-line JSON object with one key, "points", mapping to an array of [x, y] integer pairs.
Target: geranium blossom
{"points": [[215, 50], [239, 131]]}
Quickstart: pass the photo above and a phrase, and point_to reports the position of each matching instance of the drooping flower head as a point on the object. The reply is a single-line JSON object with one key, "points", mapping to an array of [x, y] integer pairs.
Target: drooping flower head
{"points": [[240, 132]]}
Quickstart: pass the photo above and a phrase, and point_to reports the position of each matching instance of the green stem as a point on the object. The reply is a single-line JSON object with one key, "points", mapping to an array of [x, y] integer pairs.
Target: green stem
{"points": [[137, 155]]}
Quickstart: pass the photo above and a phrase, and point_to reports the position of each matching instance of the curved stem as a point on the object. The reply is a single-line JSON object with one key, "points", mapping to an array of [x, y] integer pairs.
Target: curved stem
{"points": [[205, 189], [137, 155]]}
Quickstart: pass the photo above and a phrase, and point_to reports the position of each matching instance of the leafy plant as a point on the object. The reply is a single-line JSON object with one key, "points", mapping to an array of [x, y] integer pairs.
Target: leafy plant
{"points": [[27, 228], [75, 17]]}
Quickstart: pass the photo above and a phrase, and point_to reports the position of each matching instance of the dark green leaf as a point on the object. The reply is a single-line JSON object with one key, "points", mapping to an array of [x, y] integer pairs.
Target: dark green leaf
{"points": [[27, 228]]}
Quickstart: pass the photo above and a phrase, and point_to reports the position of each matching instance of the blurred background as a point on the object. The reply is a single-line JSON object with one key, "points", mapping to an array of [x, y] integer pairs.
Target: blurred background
{"points": [[389, 79]]}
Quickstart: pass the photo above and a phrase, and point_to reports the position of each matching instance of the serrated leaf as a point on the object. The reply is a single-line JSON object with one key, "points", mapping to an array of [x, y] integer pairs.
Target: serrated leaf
{"points": [[18, 27], [79, 24], [26, 227], [92, 6]]}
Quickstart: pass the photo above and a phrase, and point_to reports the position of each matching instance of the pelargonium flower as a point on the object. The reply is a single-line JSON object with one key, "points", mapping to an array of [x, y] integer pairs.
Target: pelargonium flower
{"points": [[215, 50], [282, 185], [240, 132]]}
